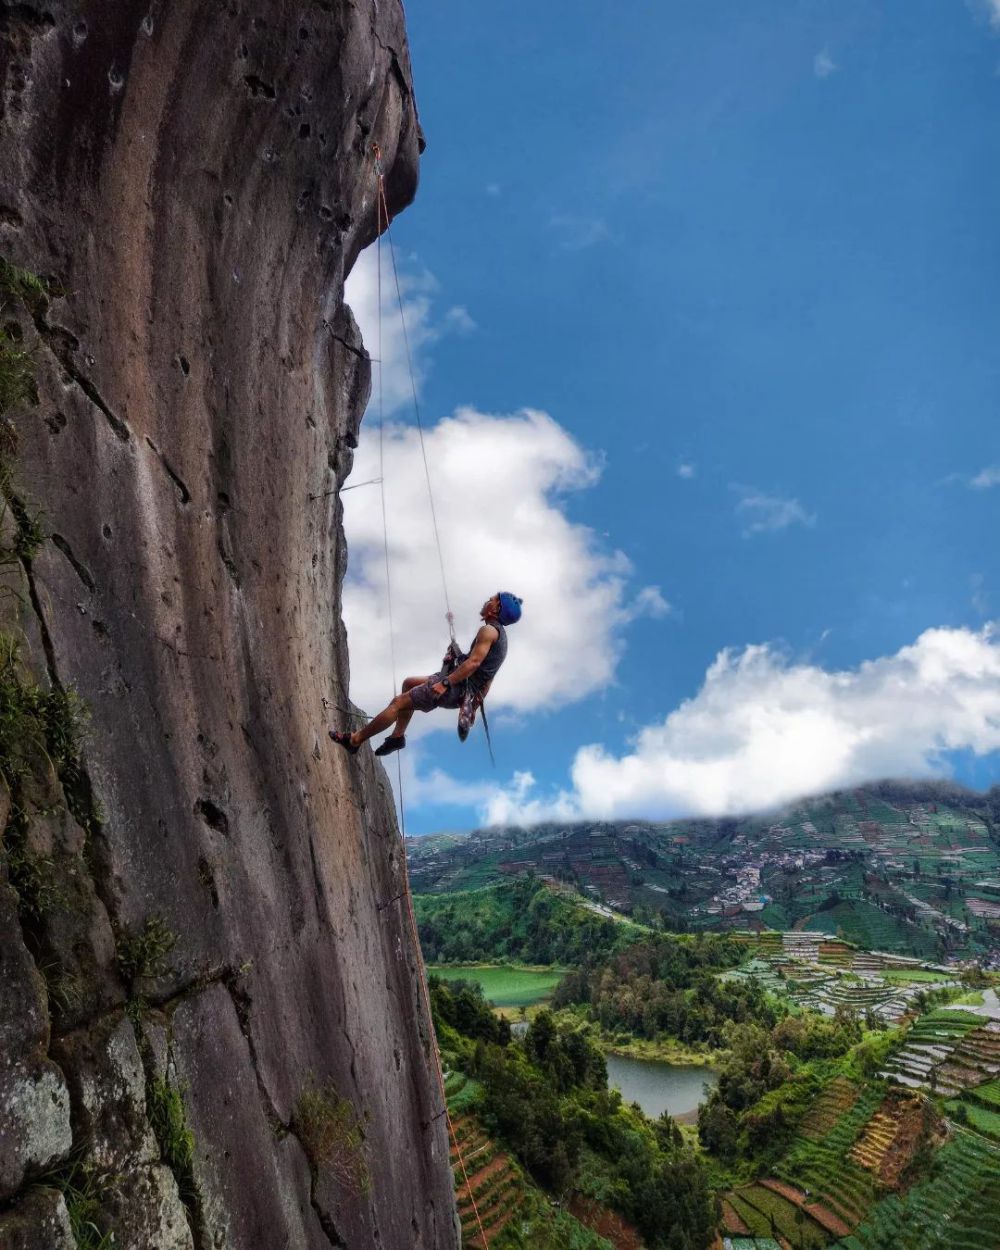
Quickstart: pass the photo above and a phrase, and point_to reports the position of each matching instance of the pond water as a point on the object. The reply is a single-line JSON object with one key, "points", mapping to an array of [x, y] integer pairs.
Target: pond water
{"points": [[658, 1087]]}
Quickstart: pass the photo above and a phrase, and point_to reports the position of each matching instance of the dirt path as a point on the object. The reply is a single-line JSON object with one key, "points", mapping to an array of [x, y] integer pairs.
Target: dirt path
{"points": [[734, 1225]]}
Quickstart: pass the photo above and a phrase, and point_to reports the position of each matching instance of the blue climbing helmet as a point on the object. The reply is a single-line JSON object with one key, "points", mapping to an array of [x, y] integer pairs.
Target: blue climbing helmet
{"points": [[510, 608]]}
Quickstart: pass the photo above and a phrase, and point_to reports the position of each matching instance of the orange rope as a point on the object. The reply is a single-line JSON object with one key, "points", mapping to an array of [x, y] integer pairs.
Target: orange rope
{"points": [[383, 208]]}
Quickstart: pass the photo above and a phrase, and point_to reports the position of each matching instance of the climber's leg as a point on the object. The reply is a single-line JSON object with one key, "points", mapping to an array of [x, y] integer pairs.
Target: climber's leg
{"points": [[398, 712]]}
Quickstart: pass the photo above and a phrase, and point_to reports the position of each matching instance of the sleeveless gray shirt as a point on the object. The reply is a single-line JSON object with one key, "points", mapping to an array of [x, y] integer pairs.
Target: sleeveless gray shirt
{"points": [[496, 655]]}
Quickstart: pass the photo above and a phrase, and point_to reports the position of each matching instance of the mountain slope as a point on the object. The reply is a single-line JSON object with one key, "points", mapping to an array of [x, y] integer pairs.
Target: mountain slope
{"points": [[909, 868]]}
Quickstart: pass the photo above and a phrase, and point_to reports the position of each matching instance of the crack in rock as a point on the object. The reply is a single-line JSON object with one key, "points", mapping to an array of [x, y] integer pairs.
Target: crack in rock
{"points": [[62, 344], [80, 569], [171, 472]]}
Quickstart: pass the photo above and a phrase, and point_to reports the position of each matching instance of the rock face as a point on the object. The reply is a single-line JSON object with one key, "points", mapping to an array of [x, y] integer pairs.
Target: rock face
{"points": [[218, 1037]]}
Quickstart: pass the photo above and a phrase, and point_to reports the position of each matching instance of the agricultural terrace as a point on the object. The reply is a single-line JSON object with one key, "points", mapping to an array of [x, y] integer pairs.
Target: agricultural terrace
{"points": [[874, 1168], [824, 973]]}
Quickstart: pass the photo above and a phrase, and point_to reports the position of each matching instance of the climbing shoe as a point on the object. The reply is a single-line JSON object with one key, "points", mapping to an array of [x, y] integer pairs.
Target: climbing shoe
{"points": [[391, 744], [344, 740]]}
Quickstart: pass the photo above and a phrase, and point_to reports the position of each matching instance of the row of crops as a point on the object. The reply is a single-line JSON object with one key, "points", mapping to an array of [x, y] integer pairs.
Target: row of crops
{"points": [[876, 1166], [823, 973], [947, 1051], [831, 1186], [955, 1205]]}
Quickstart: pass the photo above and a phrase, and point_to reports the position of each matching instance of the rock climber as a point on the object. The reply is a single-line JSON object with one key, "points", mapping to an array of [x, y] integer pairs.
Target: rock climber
{"points": [[462, 682]]}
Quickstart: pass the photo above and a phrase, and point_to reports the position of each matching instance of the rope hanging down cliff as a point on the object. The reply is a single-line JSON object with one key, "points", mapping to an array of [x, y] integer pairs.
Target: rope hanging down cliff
{"points": [[382, 210], [382, 214]]}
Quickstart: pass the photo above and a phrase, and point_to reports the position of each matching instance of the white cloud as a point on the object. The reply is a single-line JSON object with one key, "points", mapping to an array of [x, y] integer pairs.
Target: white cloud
{"points": [[499, 484], [577, 233], [424, 325], [687, 470], [763, 731], [766, 514], [990, 476], [824, 64], [497, 804], [648, 602], [458, 319]]}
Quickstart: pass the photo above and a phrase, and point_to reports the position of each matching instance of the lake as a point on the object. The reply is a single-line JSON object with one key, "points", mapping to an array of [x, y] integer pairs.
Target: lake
{"points": [[659, 1087]]}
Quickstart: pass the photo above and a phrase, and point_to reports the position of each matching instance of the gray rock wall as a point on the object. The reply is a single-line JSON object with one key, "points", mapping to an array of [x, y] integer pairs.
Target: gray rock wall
{"points": [[211, 1031]]}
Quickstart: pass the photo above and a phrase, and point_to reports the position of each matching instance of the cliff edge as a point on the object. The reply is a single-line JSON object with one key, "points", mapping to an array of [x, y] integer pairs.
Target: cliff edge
{"points": [[212, 1033]]}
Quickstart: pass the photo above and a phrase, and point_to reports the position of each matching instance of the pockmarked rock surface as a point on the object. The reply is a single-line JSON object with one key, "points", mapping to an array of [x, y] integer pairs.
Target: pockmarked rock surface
{"points": [[39, 1221], [200, 902]]}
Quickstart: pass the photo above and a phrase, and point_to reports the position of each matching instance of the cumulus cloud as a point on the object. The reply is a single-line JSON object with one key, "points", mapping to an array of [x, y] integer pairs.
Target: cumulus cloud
{"points": [[766, 514], [824, 64], [687, 470], [500, 483], [990, 476], [497, 804], [763, 731], [424, 324], [649, 602]]}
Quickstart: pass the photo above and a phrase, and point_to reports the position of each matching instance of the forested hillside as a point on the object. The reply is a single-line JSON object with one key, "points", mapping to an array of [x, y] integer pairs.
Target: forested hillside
{"points": [[524, 920], [854, 1106], [907, 868], [545, 1097]]}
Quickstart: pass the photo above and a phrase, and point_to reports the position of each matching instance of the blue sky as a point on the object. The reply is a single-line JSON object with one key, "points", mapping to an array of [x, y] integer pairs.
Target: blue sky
{"points": [[746, 259]]}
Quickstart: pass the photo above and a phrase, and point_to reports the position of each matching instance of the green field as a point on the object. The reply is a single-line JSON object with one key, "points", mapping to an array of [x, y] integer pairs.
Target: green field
{"points": [[983, 1121], [504, 986], [912, 974]]}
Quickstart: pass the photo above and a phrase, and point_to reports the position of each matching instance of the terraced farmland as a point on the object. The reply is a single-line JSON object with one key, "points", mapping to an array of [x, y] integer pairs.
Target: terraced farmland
{"points": [[488, 1183], [846, 1181], [515, 1213], [822, 1167], [835, 1100], [487, 1180], [770, 1213], [979, 1109], [887, 868], [823, 973], [947, 1051], [954, 1206]]}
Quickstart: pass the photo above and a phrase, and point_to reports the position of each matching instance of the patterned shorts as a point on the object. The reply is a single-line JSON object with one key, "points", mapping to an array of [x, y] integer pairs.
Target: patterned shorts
{"points": [[425, 700]]}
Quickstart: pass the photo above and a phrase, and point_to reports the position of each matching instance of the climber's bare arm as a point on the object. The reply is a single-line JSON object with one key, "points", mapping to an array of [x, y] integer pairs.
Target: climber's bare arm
{"points": [[487, 636]]}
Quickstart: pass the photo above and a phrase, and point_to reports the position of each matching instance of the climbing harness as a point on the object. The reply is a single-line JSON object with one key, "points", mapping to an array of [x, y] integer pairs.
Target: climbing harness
{"points": [[382, 213]]}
